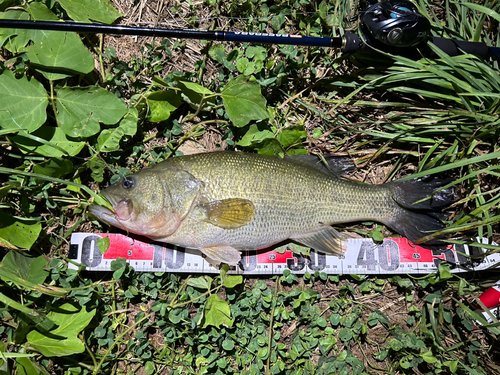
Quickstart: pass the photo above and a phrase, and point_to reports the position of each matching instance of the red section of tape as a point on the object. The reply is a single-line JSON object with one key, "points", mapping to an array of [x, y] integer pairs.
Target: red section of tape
{"points": [[274, 257], [491, 297], [126, 247]]}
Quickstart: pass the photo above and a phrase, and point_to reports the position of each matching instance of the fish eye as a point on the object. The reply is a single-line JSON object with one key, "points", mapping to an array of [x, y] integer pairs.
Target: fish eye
{"points": [[128, 183]]}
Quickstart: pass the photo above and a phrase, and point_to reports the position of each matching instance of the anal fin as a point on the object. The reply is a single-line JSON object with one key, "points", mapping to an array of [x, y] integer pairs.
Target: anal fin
{"points": [[224, 254], [326, 240]]}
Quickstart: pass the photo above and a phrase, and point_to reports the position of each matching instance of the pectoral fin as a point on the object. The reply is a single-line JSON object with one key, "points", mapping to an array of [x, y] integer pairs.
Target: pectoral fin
{"points": [[229, 213], [326, 240], [224, 254]]}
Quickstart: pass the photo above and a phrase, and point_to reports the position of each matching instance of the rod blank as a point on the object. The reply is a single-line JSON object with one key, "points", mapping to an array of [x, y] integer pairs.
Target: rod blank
{"points": [[97, 28]]}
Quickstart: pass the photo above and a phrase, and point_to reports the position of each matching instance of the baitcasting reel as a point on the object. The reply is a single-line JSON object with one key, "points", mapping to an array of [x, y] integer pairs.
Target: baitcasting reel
{"points": [[395, 23]]}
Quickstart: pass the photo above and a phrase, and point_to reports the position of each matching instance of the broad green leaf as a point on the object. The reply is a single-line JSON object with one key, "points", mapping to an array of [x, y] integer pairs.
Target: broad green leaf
{"points": [[228, 344], [81, 109], [27, 268], [216, 312], [60, 55], [255, 134], [23, 103], [103, 244], [278, 21], [129, 122], [87, 11], [453, 365], [18, 233], [243, 101], [258, 52], [198, 282], [54, 140], [194, 95], [54, 167], [150, 368], [377, 235], [14, 40], [291, 137], [295, 248], [97, 169], [195, 88], [428, 357], [245, 66], [270, 147], [119, 266], [162, 104], [39, 12], [346, 334], [231, 281], [27, 366], [109, 139], [64, 339], [218, 53]]}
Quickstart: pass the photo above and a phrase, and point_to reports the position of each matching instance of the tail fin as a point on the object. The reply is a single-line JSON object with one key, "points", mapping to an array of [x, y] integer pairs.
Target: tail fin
{"points": [[421, 207]]}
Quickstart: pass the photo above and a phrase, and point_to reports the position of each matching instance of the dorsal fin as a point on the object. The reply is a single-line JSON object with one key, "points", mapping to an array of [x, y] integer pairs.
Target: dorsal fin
{"points": [[330, 164]]}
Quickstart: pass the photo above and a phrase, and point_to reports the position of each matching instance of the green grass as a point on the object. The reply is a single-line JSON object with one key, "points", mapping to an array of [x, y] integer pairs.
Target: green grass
{"points": [[407, 119]]}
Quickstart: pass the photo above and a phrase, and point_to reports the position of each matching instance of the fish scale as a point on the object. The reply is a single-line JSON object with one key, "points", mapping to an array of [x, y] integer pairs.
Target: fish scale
{"points": [[288, 199], [223, 202]]}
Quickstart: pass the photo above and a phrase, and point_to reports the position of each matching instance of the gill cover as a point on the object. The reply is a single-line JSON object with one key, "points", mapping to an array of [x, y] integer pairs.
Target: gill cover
{"points": [[153, 202], [180, 192]]}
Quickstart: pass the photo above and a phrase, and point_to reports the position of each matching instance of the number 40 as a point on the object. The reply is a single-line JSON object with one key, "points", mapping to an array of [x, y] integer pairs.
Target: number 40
{"points": [[388, 255]]}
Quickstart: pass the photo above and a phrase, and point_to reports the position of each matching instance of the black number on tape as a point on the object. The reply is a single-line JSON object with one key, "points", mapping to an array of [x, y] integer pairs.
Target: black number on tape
{"points": [[317, 263], [449, 256], [91, 258], [388, 256], [366, 256], [157, 256], [169, 258], [301, 263], [248, 261]]}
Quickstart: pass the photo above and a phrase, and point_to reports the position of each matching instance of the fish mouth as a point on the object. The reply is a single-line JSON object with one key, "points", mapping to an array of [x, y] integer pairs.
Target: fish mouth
{"points": [[105, 215]]}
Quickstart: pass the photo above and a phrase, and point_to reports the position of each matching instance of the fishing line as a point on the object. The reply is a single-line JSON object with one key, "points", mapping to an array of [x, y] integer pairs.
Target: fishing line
{"points": [[262, 18]]}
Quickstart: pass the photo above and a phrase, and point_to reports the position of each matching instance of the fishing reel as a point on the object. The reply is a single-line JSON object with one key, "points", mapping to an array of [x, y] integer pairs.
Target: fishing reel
{"points": [[395, 23]]}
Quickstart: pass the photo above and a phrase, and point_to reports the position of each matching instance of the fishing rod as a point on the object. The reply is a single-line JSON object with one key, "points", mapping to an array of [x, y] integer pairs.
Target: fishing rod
{"points": [[393, 26]]}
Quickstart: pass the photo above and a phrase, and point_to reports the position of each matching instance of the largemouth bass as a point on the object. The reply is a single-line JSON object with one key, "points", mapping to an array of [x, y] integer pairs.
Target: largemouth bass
{"points": [[225, 202]]}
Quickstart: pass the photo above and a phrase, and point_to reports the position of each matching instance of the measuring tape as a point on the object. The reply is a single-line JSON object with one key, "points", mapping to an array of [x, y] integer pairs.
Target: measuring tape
{"points": [[362, 256]]}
